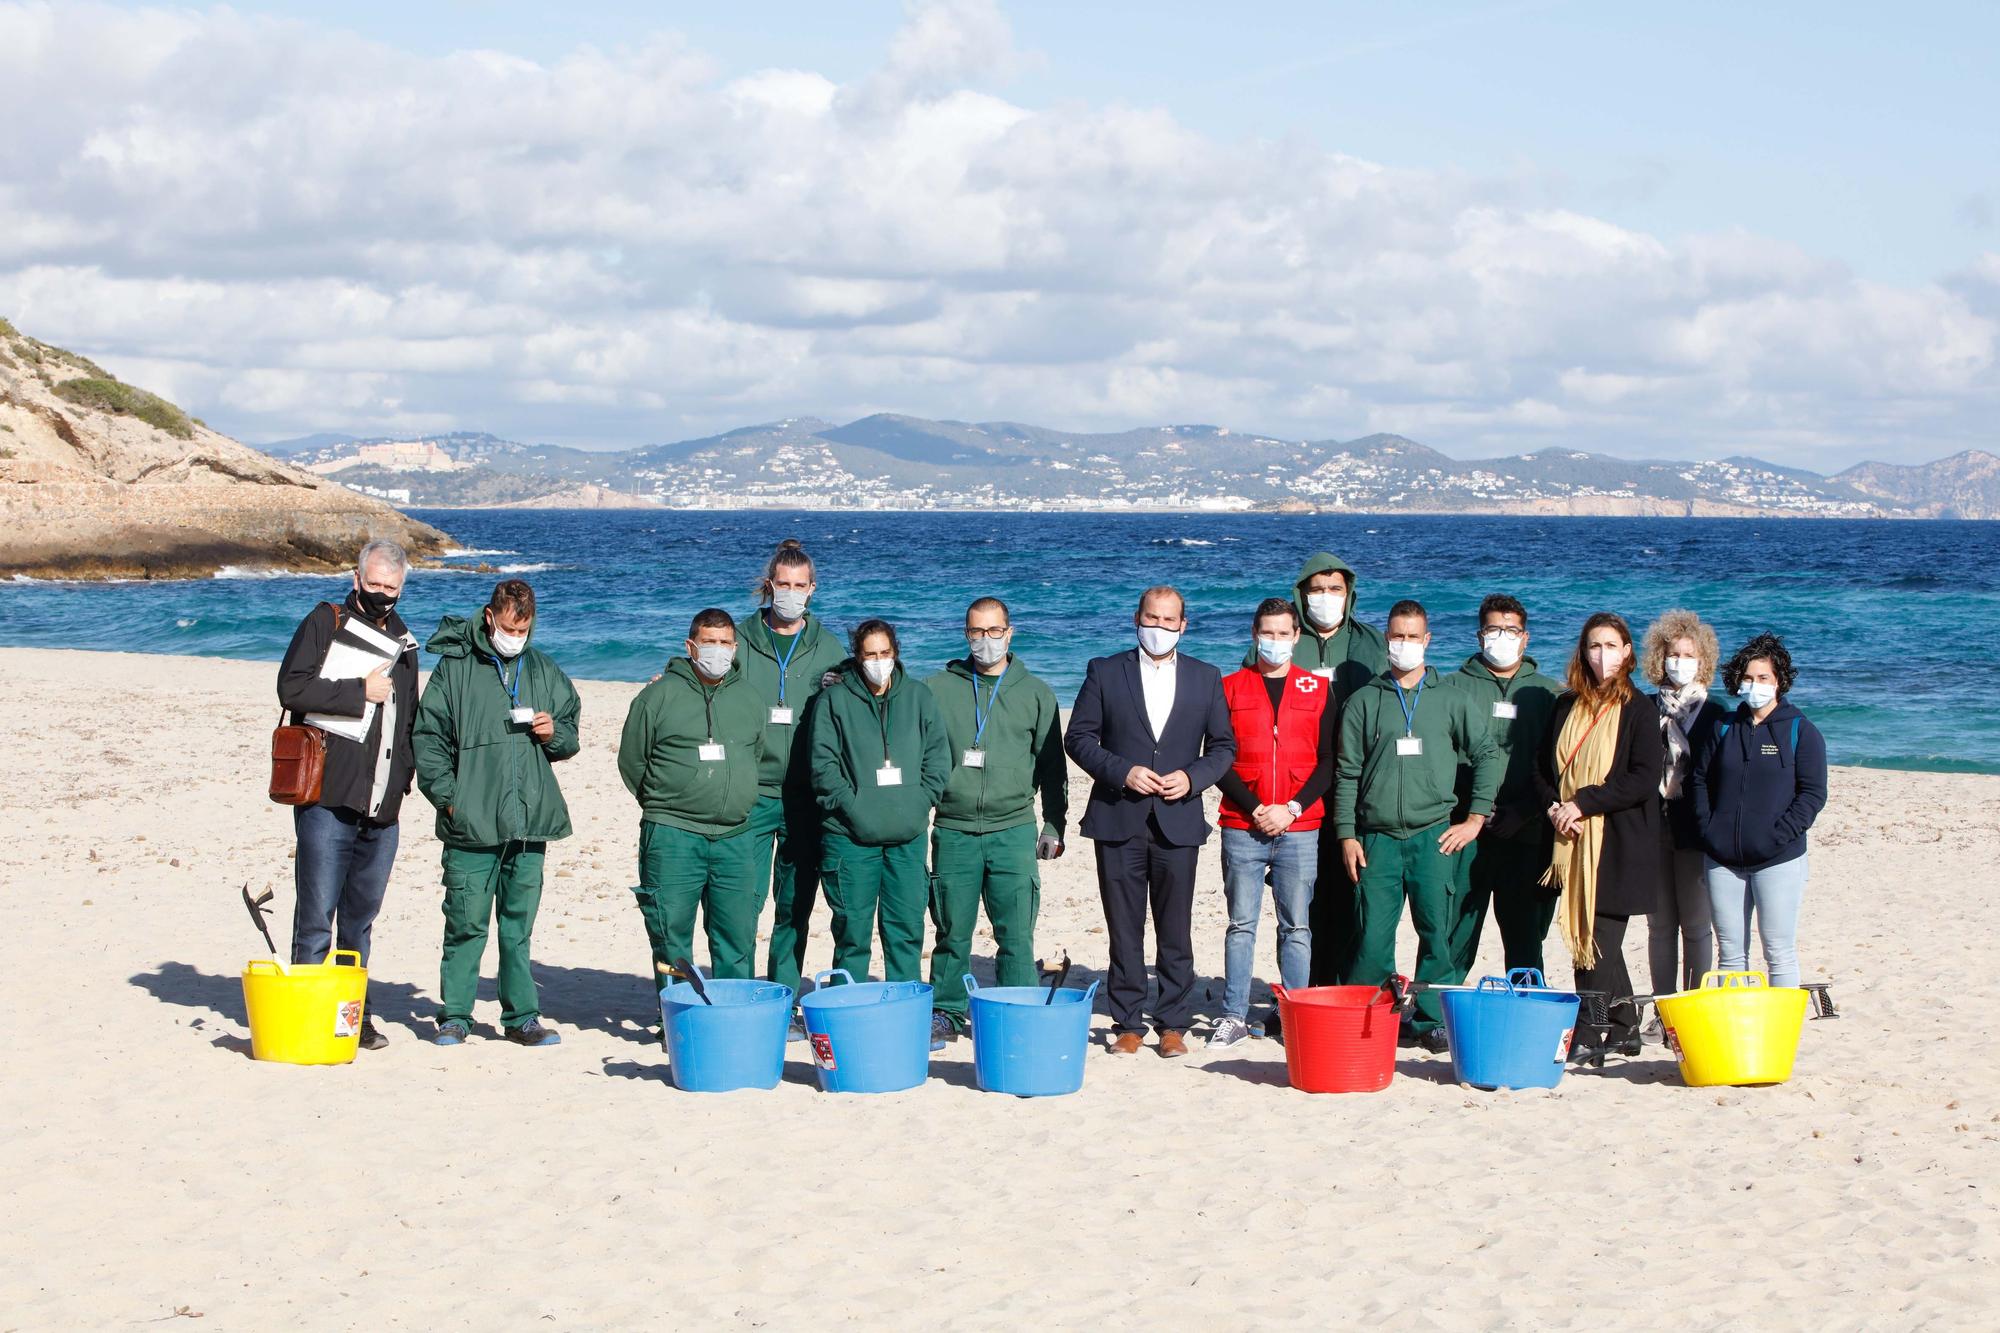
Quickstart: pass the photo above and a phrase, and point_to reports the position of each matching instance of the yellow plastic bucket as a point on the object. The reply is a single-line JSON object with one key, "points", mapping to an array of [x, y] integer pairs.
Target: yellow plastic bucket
{"points": [[305, 1013], [1735, 1028]]}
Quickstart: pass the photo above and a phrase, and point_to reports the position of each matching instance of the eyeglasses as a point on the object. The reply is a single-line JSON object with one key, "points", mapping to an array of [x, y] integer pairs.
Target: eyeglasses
{"points": [[1506, 632], [1000, 633]]}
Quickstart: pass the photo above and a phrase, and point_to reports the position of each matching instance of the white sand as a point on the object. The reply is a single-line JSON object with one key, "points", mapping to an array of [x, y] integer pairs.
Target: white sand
{"points": [[151, 1166]]}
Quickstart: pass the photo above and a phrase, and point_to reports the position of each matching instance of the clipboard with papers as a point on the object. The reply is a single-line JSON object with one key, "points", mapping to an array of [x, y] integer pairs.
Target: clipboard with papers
{"points": [[357, 649]]}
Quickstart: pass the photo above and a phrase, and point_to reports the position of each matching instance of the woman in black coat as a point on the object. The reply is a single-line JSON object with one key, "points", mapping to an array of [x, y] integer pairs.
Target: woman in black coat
{"points": [[1599, 769]]}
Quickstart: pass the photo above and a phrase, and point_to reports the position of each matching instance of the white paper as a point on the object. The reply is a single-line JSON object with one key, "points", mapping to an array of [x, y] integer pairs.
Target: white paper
{"points": [[352, 661]]}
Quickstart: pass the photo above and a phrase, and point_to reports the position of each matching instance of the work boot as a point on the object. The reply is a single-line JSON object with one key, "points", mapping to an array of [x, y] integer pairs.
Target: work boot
{"points": [[451, 1032], [372, 1038], [942, 1029], [532, 1033]]}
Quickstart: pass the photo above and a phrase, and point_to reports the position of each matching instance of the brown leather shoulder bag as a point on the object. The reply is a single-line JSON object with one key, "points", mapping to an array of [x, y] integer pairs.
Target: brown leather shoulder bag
{"points": [[298, 756]]}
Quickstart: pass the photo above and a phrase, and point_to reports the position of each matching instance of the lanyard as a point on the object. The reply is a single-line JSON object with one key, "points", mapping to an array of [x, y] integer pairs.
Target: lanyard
{"points": [[980, 717], [1409, 707], [514, 690], [785, 662]]}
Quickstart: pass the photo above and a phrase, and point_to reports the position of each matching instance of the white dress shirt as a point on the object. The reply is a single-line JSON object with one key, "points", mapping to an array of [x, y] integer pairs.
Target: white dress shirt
{"points": [[1157, 680]]}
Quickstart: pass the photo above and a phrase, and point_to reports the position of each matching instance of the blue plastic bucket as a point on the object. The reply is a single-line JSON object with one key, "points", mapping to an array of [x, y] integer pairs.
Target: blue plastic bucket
{"points": [[736, 1042], [868, 1036], [1026, 1045], [1509, 1033]]}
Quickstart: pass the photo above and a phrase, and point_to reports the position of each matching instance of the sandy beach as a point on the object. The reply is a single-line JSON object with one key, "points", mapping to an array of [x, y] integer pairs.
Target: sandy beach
{"points": [[153, 1169]]}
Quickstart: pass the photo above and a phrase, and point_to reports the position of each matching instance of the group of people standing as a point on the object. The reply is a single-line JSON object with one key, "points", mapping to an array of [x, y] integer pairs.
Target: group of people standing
{"points": [[770, 759]]}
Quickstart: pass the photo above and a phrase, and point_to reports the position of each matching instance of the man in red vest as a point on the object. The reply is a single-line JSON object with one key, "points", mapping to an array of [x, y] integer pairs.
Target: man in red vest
{"points": [[1284, 722]]}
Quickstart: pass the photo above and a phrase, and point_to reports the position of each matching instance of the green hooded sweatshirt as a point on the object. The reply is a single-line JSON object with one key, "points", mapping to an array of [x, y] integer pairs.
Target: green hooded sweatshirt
{"points": [[1517, 810], [659, 755], [1354, 653], [1377, 790], [492, 774], [1022, 744], [852, 731], [809, 655]]}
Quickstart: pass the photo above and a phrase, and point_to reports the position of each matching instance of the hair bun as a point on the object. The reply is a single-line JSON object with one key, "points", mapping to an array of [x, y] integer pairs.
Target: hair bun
{"points": [[790, 544]]}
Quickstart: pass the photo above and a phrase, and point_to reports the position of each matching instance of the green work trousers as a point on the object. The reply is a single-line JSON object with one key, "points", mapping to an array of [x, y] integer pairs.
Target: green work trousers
{"points": [[997, 869], [680, 871], [785, 831], [1411, 869], [865, 885], [481, 884], [1505, 872]]}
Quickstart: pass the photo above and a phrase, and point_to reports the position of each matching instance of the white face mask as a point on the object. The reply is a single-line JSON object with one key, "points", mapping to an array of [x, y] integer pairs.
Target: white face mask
{"points": [[1682, 670], [878, 670], [1606, 662], [1327, 609], [789, 603], [1757, 694], [507, 645], [1501, 650], [1156, 641], [1406, 654], [1275, 651], [713, 659], [987, 652]]}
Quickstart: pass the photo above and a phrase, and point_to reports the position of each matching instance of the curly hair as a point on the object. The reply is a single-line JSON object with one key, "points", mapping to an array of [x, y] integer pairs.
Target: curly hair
{"points": [[1660, 636], [1765, 647]]}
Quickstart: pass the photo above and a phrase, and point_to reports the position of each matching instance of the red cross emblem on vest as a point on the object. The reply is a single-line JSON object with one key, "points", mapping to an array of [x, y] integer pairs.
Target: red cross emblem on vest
{"points": [[1305, 684]]}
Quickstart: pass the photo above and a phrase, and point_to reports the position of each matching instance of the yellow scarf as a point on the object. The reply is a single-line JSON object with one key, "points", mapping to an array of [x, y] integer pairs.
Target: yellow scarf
{"points": [[1584, 749]]}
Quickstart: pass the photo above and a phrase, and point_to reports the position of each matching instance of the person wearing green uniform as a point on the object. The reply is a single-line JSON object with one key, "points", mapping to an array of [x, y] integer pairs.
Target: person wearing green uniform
{"points": [[1005, 743], [495, 717], [785, 651], [1402, 738], [1505, 865], [880, 763], [693, 740], [1348, 654]]}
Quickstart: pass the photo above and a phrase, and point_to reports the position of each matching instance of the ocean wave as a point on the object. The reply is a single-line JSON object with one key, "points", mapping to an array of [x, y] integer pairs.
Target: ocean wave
{"points": [[253, 572], [187, 622], [1180, 541], [530, 568], [466, 552]]}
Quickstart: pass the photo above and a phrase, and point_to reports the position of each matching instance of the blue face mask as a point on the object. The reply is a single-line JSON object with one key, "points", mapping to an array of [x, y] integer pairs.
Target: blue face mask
{"points": [[1758, 696]]}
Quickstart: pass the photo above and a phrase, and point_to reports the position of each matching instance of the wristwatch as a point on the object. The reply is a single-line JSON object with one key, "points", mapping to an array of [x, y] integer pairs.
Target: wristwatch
{"points": [[1295, 808]]}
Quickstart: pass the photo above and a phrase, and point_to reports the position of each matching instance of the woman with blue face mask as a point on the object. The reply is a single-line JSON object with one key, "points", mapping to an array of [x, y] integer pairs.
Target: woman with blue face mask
{"points": [[1758, 780]]}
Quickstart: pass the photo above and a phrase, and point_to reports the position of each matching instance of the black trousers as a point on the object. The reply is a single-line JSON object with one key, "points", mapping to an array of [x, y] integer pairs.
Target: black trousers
{"points": [[1131, 875], [1610, 977], [1334, 915]]}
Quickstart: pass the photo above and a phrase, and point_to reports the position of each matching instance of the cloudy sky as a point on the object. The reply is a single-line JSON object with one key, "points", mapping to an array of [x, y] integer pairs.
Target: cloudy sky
{"points": [[1662, 230]]}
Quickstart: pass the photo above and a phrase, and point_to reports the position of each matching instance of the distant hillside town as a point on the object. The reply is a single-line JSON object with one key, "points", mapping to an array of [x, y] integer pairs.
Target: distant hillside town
{"points": [[900, 462]]}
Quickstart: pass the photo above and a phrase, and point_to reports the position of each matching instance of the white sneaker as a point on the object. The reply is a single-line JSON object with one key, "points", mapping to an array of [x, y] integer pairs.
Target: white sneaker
{"points": [[1229, 1031]]}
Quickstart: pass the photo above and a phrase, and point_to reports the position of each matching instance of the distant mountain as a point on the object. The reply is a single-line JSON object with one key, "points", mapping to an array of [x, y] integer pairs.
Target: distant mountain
{"points": [[891, 461], [1965, 485]]}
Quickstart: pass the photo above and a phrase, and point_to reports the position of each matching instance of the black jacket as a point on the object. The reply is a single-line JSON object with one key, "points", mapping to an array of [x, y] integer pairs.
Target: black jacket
{"points": [[1683, 831], [1109, 734], [1629, 866], [1754, 795], [350, 766]]}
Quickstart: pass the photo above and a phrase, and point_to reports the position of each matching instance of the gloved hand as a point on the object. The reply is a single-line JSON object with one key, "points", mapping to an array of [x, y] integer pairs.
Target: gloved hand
{"points": [[1048, 847], [829, 680]]}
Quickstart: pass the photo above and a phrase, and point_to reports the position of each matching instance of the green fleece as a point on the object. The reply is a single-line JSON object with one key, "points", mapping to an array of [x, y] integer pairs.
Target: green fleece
{"points": [[1022, 744], [1378, 790], [1517, 811], [659, 755], [1352, 654], [491, 774], [808, 656], [852, 733]]}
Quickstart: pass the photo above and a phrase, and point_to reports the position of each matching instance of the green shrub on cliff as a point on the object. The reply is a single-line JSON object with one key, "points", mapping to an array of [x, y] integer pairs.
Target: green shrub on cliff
{"points": [[109, 395], [8, 330]]}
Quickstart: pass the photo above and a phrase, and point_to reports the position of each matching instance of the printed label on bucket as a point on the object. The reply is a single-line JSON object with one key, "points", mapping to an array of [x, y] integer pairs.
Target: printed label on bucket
{"points": [[347, 1019], [1674, 1044], [822, 1046], [1562, 1045]]}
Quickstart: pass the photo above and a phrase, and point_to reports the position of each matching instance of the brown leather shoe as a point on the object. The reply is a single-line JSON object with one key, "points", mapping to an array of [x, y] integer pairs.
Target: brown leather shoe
{"points": [[1172, 1044], [1126, 1043]]}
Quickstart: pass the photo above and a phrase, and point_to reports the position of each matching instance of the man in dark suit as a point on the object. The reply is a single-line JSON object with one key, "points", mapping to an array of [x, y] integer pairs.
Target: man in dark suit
{"points": [[1151, 728]]}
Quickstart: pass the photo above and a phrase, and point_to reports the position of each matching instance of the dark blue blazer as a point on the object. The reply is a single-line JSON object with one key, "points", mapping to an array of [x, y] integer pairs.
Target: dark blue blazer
{"points": [[1109, 734]]}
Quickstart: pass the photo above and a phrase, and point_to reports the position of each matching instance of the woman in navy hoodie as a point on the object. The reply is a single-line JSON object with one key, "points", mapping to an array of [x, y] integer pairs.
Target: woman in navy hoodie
{"points": [[1758, 781]]}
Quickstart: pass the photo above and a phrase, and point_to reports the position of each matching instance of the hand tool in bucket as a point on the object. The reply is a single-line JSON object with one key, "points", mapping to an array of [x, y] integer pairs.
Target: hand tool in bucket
{"points": [[691, 974], [258, 908], [1055, 976]]}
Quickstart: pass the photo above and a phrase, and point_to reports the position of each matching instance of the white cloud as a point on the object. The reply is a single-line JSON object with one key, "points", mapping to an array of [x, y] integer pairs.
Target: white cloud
{"points": [[291, 228]]}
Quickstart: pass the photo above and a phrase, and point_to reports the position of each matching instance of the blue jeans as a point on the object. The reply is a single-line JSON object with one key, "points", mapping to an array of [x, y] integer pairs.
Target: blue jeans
{"points": [[342, 873], [1775, 894], [1289, 863]]}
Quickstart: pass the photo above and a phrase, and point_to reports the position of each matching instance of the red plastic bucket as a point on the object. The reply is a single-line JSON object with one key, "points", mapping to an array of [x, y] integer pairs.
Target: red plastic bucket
{"points": [[1339, 1038]]}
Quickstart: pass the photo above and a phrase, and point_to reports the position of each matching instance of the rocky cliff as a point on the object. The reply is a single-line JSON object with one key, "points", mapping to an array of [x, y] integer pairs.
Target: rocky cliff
{"points": [[99, 479]]}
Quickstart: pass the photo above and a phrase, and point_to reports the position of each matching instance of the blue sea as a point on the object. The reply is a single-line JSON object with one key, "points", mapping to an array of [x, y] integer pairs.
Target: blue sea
{"points": [[1882, 618]]}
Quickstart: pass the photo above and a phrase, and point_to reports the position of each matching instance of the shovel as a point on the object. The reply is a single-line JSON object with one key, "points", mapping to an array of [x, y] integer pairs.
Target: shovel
{"points": [[258, 907], [1056, 979], [692, 975]]}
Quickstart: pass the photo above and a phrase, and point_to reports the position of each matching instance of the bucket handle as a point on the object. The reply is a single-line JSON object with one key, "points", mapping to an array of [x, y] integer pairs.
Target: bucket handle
{"points": [[265, 967], [821, 978], [971, 984], [1278, 991], [1505, 983], [1734, 980], [1528, 978], [338, 954]]}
